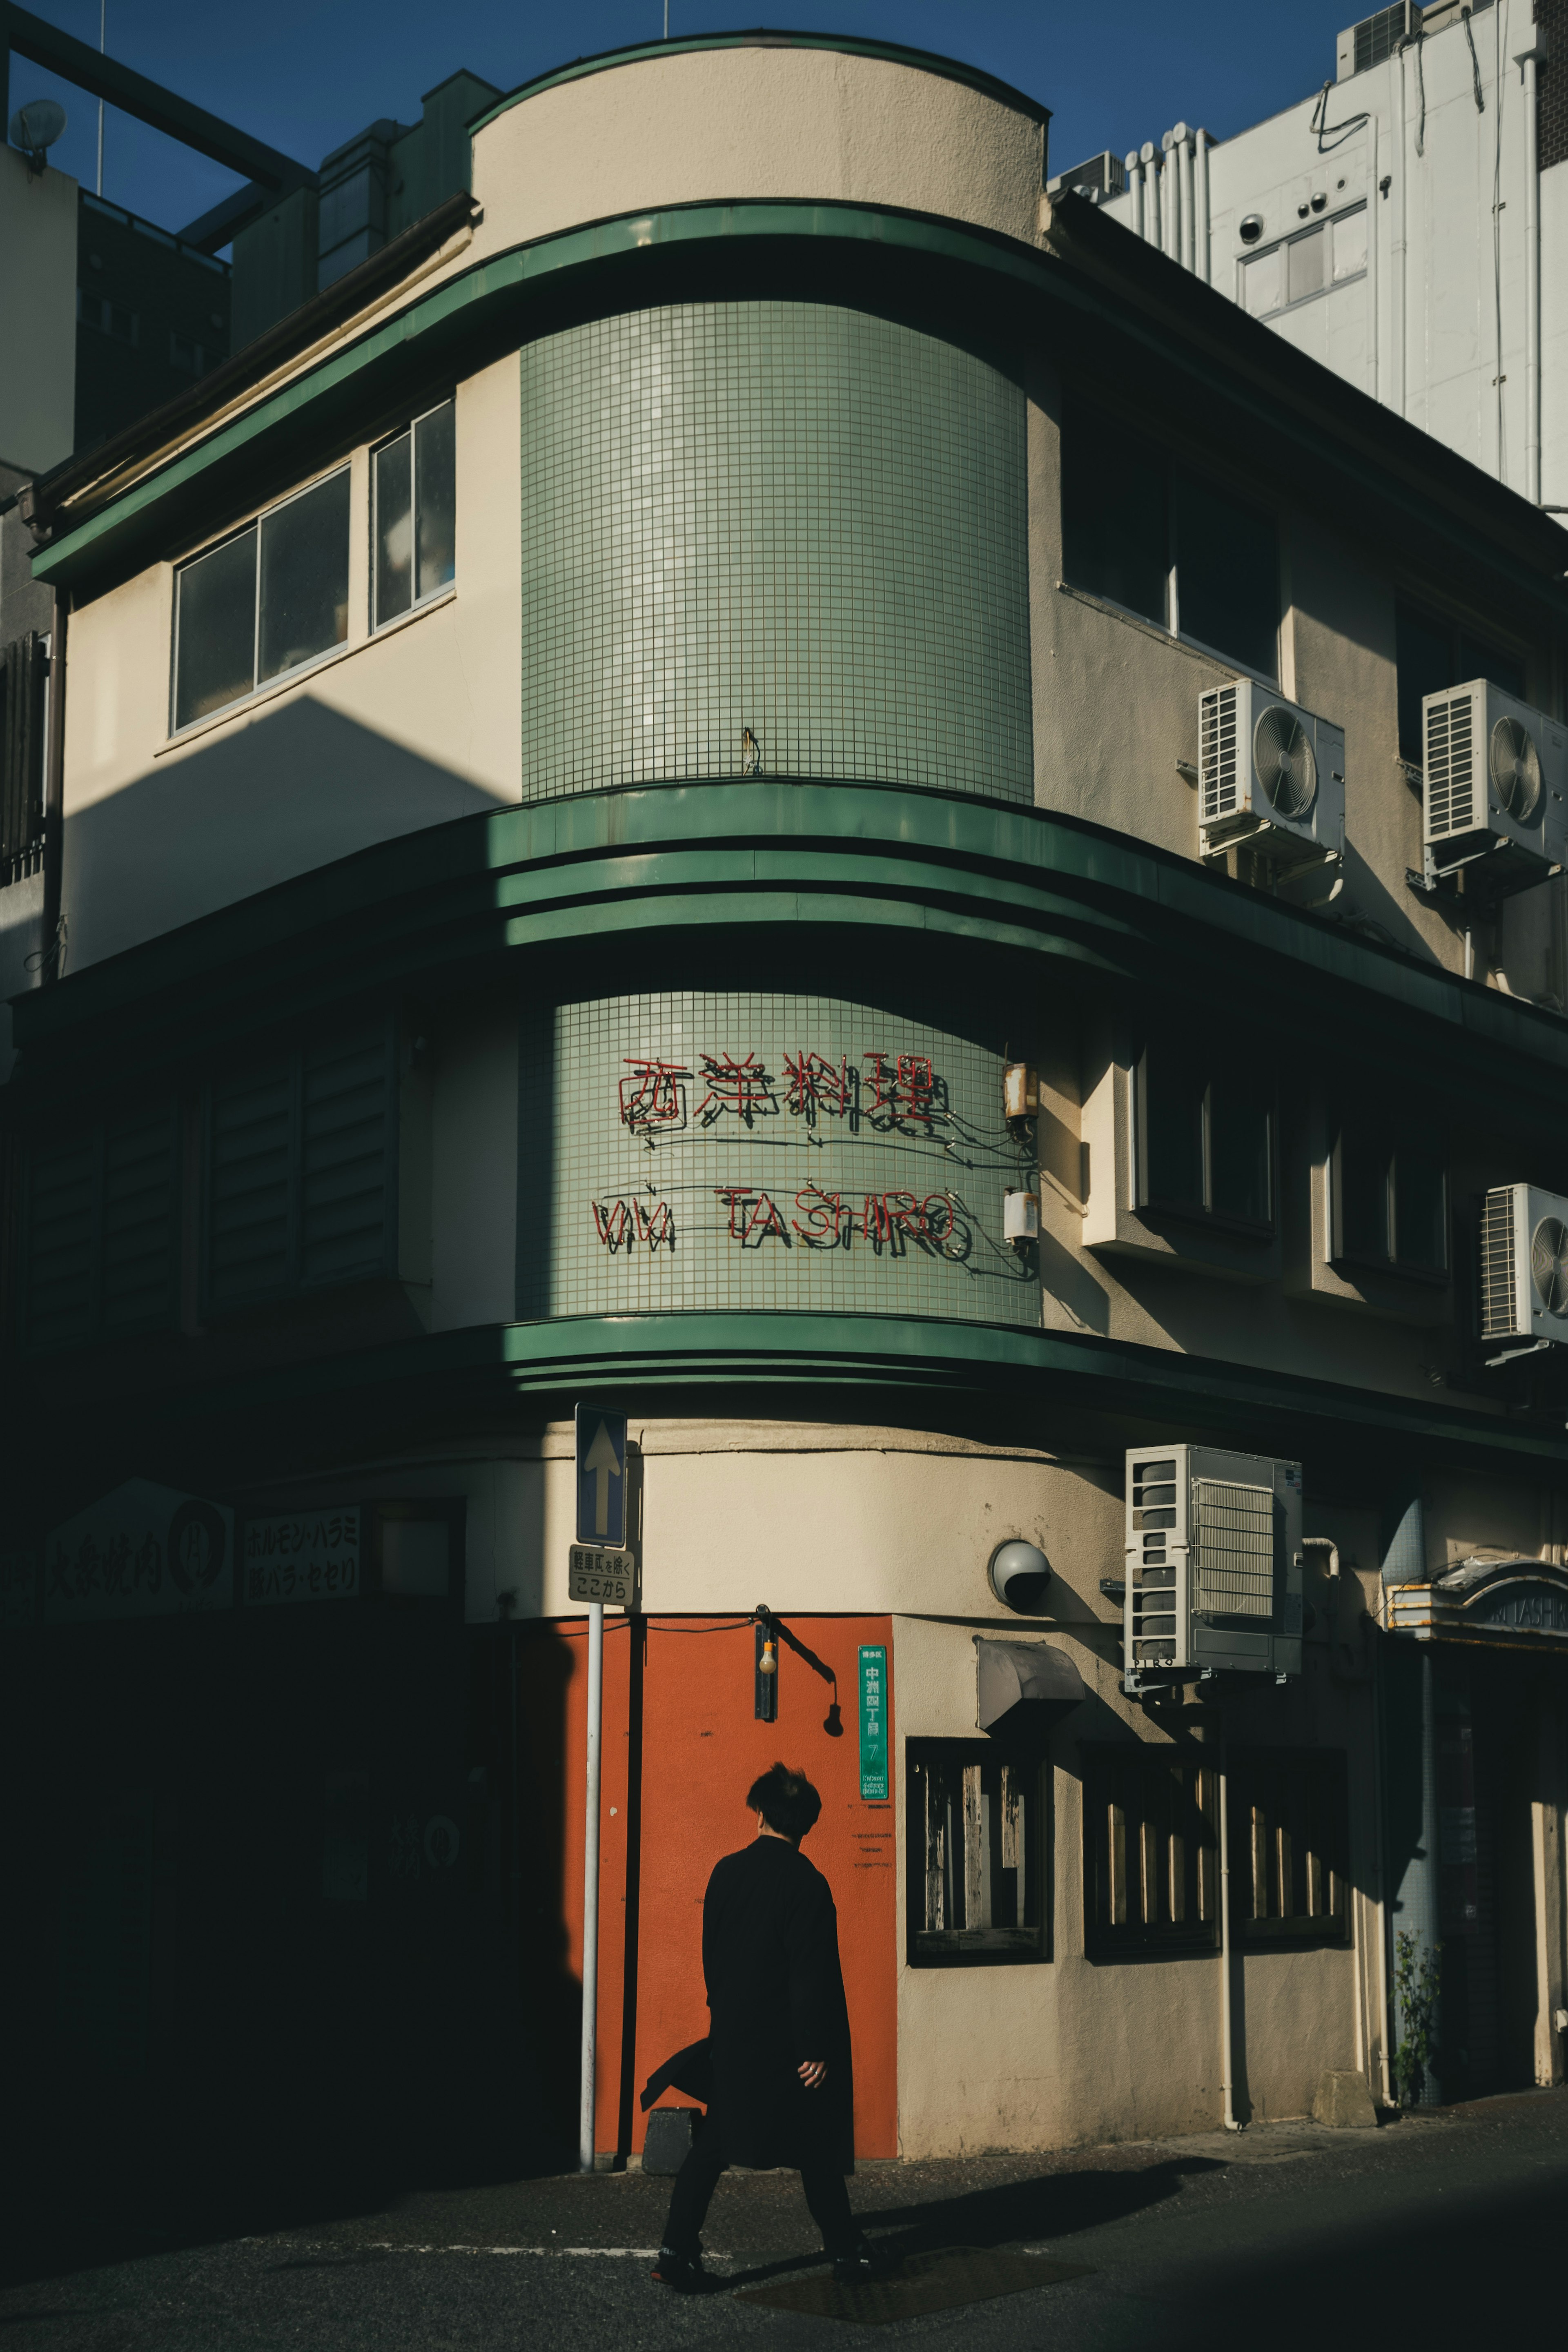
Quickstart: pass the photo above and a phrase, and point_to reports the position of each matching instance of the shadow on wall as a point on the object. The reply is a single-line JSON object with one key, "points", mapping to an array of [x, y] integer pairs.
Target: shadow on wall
{"points": [[253, 806]]}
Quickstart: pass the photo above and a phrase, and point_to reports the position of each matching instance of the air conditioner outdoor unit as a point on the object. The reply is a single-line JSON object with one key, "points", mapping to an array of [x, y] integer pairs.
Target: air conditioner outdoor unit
{"points": [[1524, 1264], [1496, 773], [1375, 37], [1271, 775], [1213, 1563]]}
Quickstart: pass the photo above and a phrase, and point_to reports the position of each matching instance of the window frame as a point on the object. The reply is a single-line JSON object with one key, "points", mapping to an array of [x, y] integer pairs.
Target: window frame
{"points": [[1456, 632], [1174, 466], [1109, 1767], [1383, 1140], [1202, 1214], [1319, 1804], [225, 539], [378, 626], [1024, 1946], [1322, 225]]}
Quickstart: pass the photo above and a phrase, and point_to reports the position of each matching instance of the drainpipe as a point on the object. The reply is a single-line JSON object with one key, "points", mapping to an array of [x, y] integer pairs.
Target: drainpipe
{"points": [[1134, 164], [1226, 2023], [1416, 1895], [1396, 390], [1189, 192], [1172, 246], [1528, 59], [1150, 163], [55, 794], [1373, 233], [1204, 238], [1350, 1677]]}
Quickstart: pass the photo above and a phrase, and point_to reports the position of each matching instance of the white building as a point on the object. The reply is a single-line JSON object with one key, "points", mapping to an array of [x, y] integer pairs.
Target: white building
{"points": [[1407, 224]]}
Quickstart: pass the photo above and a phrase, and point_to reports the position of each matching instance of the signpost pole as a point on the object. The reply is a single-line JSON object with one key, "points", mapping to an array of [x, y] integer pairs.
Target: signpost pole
{"points": [[591, 1887]]}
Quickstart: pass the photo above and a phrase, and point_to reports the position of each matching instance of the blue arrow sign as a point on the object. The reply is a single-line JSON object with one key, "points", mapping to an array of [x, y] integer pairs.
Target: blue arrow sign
{"points": [[601, 1476]]}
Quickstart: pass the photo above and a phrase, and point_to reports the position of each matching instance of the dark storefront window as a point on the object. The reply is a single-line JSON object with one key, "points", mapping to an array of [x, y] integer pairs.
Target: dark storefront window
{"points": [[1205, 1138], [977, 1854], [1142, 533], [1289, 1838], [1389, 1201]]}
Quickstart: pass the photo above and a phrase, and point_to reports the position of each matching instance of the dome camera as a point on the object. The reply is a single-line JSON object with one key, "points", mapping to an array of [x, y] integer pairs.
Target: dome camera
{"points": [[1252, 228], [1020, 1576]]}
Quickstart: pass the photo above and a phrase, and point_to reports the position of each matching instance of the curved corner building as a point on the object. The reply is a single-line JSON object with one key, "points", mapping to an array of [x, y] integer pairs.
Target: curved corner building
{"points": [[636, 830]]}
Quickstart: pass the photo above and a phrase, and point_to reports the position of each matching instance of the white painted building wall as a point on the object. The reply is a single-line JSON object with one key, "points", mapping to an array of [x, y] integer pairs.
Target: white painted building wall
{"points": [[1396, 241]]}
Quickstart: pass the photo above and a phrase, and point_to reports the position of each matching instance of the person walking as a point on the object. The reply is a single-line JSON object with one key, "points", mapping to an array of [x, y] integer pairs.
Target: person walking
{"points": [[778, 2048]]}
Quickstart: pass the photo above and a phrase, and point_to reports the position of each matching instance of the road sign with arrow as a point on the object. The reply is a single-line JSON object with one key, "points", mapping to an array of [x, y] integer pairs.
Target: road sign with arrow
{"points": [[601, 1477]]}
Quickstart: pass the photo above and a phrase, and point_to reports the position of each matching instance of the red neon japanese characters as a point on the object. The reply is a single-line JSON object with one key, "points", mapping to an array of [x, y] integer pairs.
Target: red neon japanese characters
{"points": [[654, 1096], [815, 1083], [744, 1087], [621, 1225]]}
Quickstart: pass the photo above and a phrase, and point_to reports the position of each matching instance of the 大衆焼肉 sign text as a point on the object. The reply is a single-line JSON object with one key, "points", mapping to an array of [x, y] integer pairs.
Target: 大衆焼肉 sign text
{"points": [[143, 1551]]}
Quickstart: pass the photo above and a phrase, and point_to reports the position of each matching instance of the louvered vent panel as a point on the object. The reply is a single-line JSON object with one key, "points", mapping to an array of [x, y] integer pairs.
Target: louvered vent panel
{"points": [[138, 1225], [1232, 1548], [249, 1167], [1217, 753], [1450, 767], [1377, 38], [61, 1202], [344, 1205], [1498, 1320]]}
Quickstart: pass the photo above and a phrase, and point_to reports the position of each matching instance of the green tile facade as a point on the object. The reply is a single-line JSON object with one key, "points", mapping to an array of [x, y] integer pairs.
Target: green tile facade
{"points": [[784, 518], [733, 1151]]}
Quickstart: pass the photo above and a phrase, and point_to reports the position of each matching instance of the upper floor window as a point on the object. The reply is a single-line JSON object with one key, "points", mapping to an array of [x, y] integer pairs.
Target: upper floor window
{"points": [[264, 602], [1204, 1139], [416, 513], [1431, 655], [1388, 1199], [1142, 531], [1328, 254]]}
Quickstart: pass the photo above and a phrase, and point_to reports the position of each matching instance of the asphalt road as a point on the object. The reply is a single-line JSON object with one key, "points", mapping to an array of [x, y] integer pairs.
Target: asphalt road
{"points": [[1423, 2232]]}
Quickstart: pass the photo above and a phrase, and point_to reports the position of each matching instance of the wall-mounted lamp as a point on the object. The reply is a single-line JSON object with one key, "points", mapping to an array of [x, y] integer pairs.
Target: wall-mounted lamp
{"points": [[34, 128], [767, 1667]]}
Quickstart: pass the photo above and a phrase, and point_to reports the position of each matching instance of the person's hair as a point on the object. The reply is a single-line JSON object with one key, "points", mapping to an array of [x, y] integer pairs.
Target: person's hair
{"points": [[785, 1799]]}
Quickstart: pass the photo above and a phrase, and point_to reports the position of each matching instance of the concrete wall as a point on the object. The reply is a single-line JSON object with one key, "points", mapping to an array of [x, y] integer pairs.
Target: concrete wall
{"points": [[707, 126], [410, 728], [38, 314]]}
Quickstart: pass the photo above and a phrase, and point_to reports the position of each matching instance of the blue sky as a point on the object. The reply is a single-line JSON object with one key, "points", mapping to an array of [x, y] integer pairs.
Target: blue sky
{"points": [[305, 75]]}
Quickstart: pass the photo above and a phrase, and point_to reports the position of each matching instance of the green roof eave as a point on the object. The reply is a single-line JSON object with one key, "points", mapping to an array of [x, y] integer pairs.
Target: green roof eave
{"points": [[865, 861], [847, 44]]}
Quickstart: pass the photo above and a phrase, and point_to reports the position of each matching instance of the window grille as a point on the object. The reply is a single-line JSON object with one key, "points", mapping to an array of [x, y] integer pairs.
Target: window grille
{"points": [[977, 1859], [100, 1255], [1151, 1851], [24, 702], [1290, 1832]]}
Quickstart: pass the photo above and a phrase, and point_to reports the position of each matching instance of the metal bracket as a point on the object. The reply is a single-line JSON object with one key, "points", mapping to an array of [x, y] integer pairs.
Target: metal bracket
{"points": [[1511, 1355]]}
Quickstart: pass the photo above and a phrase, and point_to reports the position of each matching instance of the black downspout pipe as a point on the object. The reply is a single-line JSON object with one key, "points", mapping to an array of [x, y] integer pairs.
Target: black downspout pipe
{"points": [[51, 945]]}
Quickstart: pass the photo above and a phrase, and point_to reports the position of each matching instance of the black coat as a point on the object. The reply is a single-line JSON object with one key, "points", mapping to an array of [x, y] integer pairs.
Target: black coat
{"points": [[776, 1992]]}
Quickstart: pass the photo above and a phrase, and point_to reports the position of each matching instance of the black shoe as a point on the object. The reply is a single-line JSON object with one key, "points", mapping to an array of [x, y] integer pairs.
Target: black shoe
{"points": [[684, 2273], [864, 2263]]}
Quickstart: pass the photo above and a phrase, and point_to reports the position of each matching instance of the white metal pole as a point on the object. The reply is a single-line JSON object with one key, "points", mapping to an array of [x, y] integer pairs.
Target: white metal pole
{"points": [[1189, 221], [1135, 182], [1205, 239], [1532, 286], [591, 1887], [102, 30], [1227, 2057], [1152, 199]]}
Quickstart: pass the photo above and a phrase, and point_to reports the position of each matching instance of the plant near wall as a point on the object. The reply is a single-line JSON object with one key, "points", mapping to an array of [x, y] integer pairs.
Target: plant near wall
{"points": [[1416, 1992]]}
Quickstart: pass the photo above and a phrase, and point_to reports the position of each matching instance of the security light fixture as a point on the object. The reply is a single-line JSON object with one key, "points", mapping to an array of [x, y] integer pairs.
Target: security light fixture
{"points": [[34, 128]]}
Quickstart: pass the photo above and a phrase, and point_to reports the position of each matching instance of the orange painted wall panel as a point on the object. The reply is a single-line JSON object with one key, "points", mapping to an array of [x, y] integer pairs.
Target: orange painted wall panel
{"points": [[682, 1745]]}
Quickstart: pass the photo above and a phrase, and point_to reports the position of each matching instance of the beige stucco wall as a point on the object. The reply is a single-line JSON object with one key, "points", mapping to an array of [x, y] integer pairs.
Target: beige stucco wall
{"points": [[410, 728], [38, 304], [707, 126]]}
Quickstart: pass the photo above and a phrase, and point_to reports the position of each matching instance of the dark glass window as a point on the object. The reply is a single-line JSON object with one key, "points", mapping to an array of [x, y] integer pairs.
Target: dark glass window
{"points": [[1431, 653], [1390, 1198], [1227, 576], [977, 1854], [1290, 1840], [1140, 531], [416, 513], [1206, 1140], [274, 597]]}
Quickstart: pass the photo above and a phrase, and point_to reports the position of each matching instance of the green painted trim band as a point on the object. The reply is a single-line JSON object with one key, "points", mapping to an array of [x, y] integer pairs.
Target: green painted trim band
{"points": [[854, 857], [772, 1347], [844, 44]]}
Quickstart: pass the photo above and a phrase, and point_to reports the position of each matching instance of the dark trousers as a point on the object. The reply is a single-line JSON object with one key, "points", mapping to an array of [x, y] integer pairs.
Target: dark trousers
{"points": [[826, 2197]]}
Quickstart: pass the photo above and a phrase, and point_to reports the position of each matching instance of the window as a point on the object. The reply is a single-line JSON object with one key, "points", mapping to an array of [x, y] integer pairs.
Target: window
{"points": [[265, 602], [1289, 1833], [24, 704], [1388, 1200], [977, 1859], [1431, 653], [1204, 1140], [112, 319], [300, 1181], [415, 514], [99, 1252], [1330, 253], [190, 358], [1144, 534], [1150, 1850]]}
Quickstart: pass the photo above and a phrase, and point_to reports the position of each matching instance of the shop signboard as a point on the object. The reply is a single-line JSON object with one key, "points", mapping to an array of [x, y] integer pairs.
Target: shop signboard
{"points": [[300, 1556], [874, 1723], [143, 1550]]}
